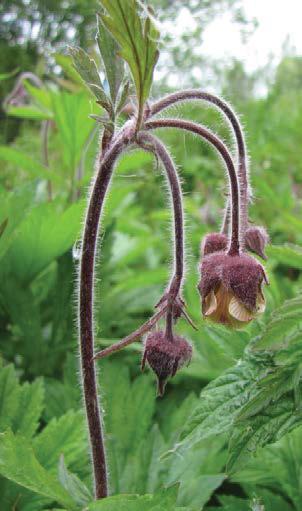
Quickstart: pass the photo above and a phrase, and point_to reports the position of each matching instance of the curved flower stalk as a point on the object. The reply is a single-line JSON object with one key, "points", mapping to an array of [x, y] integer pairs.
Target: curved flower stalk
{"points": [[253, 238], [229, 113], [223, 151]]}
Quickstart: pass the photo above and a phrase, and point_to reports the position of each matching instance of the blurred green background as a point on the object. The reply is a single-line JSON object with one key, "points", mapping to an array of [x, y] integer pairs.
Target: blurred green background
{"points": [[48, 145]]}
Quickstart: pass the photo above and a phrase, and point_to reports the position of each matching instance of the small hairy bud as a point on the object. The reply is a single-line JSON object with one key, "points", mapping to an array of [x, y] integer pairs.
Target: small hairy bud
{"points": [[256, 239], [165, 357], [231, 288], [214, 242]]}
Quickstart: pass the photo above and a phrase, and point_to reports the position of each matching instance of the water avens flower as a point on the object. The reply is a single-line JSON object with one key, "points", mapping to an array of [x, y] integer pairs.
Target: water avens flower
{"points": [[231, 288], [165, 356]]}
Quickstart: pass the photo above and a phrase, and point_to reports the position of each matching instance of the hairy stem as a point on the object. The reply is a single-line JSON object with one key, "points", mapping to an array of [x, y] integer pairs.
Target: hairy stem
{"points": [[153, 144], [139, 332], [193, 94], [223, 151], [86, 279]]}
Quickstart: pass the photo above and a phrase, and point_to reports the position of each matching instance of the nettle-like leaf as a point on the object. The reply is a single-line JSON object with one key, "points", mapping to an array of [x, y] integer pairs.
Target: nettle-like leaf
{"points": [[164, 500], [220, 401], [279, 470], [255, 403], [284, 328], [138, 39], [267, 426]]}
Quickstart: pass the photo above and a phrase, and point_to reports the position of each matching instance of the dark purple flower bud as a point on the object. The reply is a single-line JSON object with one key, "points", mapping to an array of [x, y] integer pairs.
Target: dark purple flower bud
{"points": [[214, 242], [231, 288], [256, 239], [165, 357]]}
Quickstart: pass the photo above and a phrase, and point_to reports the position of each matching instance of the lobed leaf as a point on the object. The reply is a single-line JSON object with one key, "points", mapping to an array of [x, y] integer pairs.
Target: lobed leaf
{"points": [[31, 399], [18, 463]]}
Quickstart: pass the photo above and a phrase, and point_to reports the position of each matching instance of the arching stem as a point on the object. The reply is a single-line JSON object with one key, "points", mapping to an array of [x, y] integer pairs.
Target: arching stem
{"points": [[223, 151], [195, 94], [86, 280], [150, 143]]}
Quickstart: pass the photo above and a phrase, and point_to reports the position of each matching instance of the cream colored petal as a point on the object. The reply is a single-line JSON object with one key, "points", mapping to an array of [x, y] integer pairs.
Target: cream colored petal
{"points": [[210, 304], [260, 303], [238, 311]]}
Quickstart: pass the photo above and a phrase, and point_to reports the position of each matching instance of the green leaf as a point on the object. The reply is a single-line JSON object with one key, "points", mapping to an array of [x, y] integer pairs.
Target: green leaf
{"points": [[284, 327], [24, 162], [29, 112], [31, 400], [41, 95], [219, 403], [277, 467], [123, 96], [5, 76], [66, 436], [71, 115], [270, 425], [9, 396], [231, 503], [45, 234], [138, 40], [66, 63], [13, 208], [164, 500], [19, 464], [86, 67], [73, 485], [127, 423], [113, 63], [287, 254]]}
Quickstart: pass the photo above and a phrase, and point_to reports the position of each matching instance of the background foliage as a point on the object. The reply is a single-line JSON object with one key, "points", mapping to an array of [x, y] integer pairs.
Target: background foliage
{"points": [[228, 431]]}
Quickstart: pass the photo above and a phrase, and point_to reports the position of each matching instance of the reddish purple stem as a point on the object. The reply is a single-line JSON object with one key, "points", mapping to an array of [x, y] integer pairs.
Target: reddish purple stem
{"points": [[223, 151]]}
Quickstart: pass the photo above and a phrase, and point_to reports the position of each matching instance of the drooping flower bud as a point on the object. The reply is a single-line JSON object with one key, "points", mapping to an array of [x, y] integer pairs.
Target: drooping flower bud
{"points": [[231, 288], [165, 357], [256, 239], [214, 242]]}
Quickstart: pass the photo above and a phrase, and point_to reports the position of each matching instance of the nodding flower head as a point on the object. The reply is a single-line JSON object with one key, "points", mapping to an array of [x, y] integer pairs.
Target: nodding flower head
{"points": [[214, 242], [231, 288], [256, 239], [165, 356]]}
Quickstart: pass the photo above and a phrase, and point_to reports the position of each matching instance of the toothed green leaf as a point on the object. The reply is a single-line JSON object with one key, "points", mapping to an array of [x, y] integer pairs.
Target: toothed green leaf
{"points": [[113, 63], [138, 39], [18, 463]]}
